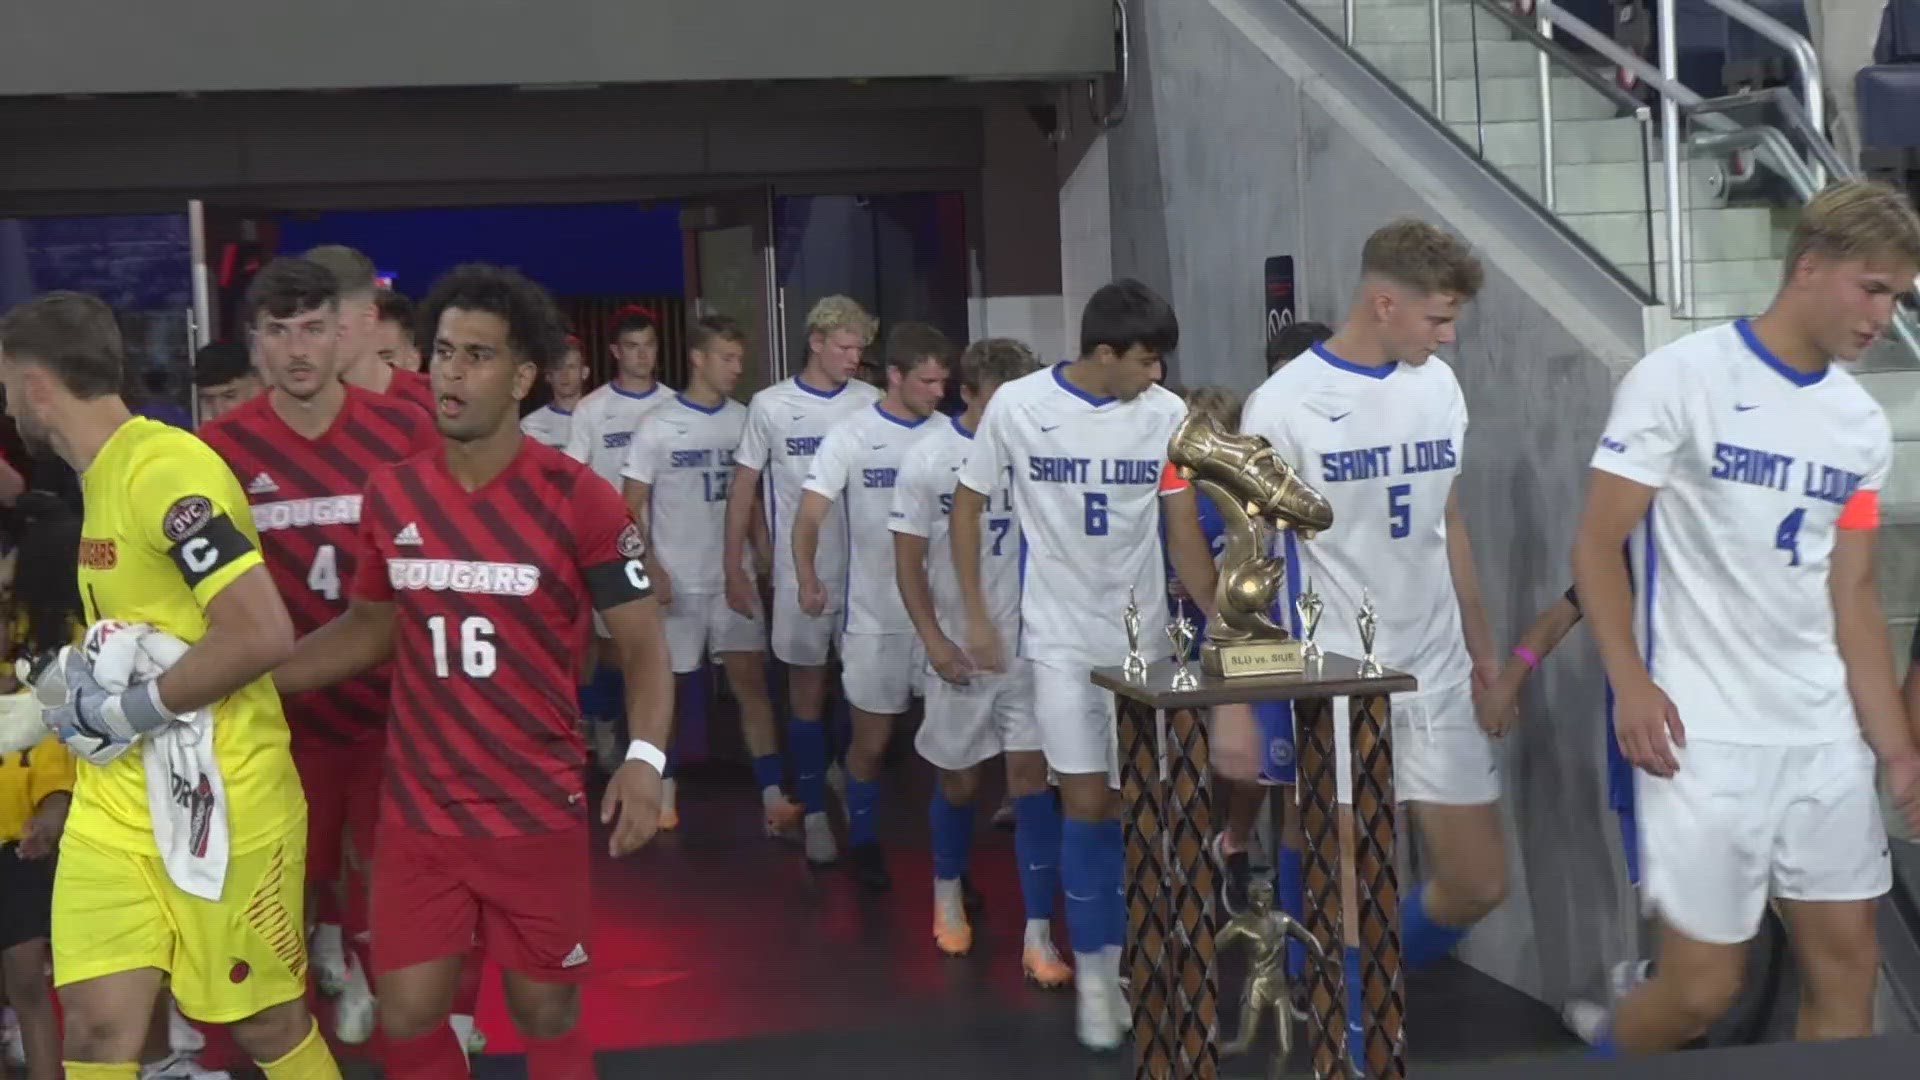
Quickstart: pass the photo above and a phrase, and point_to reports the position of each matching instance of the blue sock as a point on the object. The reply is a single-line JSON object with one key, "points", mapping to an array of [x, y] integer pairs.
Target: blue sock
{"points": [[952, 833], [1424, 942], [1083, 877], [1604, 1050], [1113, 863], [1036, 847], [1290, 892], [862, 797], [807, 742], [767, 771], [1356, 1020]]}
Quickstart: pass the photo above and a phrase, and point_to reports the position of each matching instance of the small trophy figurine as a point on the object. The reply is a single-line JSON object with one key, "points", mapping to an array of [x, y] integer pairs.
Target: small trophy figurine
{"points": [[1369, 624], [1309, 607], [1266, 932], [1136, 667], [1181, 632]]}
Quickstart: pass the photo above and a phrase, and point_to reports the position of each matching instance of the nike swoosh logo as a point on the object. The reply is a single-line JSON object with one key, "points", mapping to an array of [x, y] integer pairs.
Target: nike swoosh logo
{"points": [[1046, 429], [1342, 416], [1745, 408], [878, 446]]}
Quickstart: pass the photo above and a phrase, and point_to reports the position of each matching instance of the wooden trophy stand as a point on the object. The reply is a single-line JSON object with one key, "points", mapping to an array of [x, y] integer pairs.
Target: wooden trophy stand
{"points": [[1170, 879]]}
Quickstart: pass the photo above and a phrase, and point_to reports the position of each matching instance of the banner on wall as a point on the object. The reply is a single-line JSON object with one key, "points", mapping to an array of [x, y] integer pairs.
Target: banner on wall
{"points": [[1280, 295]]}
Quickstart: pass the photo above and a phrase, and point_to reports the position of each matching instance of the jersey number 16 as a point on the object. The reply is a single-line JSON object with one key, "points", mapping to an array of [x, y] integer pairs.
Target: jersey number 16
{"points": [[477, 658]]}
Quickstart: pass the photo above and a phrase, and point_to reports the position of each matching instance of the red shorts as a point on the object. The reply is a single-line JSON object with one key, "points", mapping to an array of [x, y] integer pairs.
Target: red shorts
{"points": [[343, 799], [526, 899]]}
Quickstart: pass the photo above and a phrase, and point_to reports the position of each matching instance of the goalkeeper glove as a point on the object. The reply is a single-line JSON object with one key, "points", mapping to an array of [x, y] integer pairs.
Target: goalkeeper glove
{"points": [[96, 725]]}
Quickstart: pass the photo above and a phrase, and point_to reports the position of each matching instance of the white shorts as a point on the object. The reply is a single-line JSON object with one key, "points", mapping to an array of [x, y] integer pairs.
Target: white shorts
{"points": [[876, 671], [1440, 755], [1076, 719], [991, 715], [702, 623], [1740, 824], [801, 639]]}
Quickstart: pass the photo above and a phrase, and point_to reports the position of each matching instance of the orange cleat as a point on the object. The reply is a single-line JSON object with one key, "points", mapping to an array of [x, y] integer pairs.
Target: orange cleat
{"points": [[951, 931], [1044, 968]]}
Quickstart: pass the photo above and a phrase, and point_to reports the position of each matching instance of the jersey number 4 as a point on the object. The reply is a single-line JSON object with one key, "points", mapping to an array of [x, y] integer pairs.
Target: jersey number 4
{"points": [[478, 658], [323, 576], [1787, 537]]}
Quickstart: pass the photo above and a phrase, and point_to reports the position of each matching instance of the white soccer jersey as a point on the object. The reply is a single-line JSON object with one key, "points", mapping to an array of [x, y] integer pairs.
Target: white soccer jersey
{"points": [[785, 424], [685, 452], [1754, 463], [1086, 485], [857, 467], [922, 504], [1384, 446], [548, 426], [603, 426]]}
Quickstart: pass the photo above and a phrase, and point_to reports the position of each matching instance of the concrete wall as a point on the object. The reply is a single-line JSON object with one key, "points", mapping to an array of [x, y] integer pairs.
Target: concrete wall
{"points": [[1252, 135]]}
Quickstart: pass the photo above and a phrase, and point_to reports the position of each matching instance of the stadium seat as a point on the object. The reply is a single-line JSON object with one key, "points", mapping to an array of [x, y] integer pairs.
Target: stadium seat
{"points": [[1889, 89]]}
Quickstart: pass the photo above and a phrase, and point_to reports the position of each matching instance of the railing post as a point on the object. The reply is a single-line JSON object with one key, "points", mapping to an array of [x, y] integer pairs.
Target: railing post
{"points": [[1439, 60], [1346, 22], [1679, 295], [1544, 23]]}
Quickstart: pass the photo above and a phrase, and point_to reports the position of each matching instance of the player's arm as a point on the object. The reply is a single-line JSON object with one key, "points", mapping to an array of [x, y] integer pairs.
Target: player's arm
{"points": [[1186, 542], [1466, 588], [1860, 631], [1497, 704], [358, 640], [826, 480], [911, 522], [978, 475], [749, 458], [637, 474]]}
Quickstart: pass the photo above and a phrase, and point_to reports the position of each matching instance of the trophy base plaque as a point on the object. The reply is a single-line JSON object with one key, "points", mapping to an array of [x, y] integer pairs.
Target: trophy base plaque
{"points": [[1240, 659]]}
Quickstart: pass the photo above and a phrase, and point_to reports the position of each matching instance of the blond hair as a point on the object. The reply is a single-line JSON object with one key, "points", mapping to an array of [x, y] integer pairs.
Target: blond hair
{"points": [[1424, 258], [992, 361], [832, 313], [1857, 219], [1218, 403]]}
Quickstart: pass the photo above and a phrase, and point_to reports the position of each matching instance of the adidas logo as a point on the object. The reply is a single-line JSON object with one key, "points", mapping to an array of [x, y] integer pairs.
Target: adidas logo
{"points": [[575, 958], [262, 485], [409, 536]]}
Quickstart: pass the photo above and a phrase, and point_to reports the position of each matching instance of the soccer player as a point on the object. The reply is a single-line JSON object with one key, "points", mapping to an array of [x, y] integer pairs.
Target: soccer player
{"points": [[973, 717], [224, 378], [1087, 445], [360, 361], [677, 472], [1741, 470], [167, 540], [480, 563], [785, 425], [304, 452], [854, 471], [552, 424], [393, 340], [1379, 425]]}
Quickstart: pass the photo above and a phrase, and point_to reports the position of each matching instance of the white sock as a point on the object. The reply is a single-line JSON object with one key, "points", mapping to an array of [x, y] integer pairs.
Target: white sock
{"points": [[771, 795], [1039, 933], [326, 940], [1110, 956], [666, 794], [946, 892]]}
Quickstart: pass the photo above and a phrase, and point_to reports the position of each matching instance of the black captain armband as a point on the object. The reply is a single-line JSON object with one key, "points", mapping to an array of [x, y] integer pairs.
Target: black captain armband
{"points": [[1573, 598], [625, 579], [204, 540]]}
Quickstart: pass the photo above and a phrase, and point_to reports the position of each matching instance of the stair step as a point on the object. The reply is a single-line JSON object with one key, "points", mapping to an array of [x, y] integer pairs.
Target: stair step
{"points": [[1903, 482], [1459, 59], [1729, 232], [1386, 24], [1715, 276], [1898, 392], [1513, 98], [1709, 308], [1575, 142], [1618, 187]]}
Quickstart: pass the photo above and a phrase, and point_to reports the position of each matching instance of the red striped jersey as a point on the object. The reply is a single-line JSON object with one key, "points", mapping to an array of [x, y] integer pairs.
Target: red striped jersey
{"points": [[414, 387], [492, 591], [305, 496]]}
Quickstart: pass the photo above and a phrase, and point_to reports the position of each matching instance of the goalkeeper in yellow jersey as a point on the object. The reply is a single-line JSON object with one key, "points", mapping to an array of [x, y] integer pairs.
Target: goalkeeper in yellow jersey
{"points": [[184, 853]]}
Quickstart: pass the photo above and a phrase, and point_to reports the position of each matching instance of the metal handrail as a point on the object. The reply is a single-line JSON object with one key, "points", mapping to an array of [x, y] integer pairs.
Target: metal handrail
{"points": [[1797, 46], [1605, 87], [1116, 111]]}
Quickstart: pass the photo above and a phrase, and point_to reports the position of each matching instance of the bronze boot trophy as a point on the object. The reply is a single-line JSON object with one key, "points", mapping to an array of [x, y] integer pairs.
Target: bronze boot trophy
{"points": [[1266, 932], [1254, 491]]}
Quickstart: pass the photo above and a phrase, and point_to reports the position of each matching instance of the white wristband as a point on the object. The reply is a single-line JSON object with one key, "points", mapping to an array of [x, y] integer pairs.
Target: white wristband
{"points": [[639, 750]]}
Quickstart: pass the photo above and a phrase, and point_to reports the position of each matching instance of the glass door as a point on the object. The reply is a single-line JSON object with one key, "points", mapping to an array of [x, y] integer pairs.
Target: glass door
{"points": [[729, 253]]}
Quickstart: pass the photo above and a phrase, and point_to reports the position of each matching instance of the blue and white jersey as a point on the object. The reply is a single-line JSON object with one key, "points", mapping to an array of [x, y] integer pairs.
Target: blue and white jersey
{"points": [[548, 426], [858, 467], [603, 426], [1754, 464], [1384, 445], [684, 453], [1086, 489], [786, 423], [923, 506]]}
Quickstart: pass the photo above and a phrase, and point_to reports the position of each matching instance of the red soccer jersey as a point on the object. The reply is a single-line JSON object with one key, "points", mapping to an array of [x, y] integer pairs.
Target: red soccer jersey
{"points": [[414, 387], [305, 495], [493, 589]]}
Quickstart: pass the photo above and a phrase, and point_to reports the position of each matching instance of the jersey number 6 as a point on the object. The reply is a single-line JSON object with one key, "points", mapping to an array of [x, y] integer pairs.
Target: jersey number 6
{"points": [[1096, 513], [477, 655]]}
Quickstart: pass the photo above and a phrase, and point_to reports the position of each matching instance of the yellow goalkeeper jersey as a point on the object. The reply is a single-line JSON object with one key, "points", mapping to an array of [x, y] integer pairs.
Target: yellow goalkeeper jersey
{"points": [[166, 529]]}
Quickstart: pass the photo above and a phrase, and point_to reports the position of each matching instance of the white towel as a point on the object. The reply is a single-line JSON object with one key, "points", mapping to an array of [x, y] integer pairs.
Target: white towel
{"points": [[186, 796]]}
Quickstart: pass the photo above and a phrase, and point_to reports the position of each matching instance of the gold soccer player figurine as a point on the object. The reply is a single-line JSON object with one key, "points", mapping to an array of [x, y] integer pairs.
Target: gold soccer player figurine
{"points": [[1266, 932], [1254, 491], [1136, 667]]}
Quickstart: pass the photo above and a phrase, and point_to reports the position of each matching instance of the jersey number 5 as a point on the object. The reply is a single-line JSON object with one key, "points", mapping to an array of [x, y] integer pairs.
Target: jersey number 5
{"points": [[1399, 510], [1787, 537], [478, 657]]}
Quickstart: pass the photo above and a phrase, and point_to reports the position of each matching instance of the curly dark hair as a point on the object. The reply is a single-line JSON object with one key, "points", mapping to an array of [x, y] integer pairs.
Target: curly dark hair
{"points": [[535, 328], [46, 584]]}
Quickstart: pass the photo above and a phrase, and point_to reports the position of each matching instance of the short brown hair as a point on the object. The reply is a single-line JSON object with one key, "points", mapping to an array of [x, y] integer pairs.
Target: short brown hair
{"points": [[1857, 219], [909, 343], [708, 329], [71, 334], [353, 270], [992, 361], [1423, 257], [286, 287], [1217, 402], [393, 307]]}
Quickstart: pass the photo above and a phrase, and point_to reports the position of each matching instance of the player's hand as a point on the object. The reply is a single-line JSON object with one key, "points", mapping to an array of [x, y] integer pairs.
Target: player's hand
{"points": [[1486, 675], [740, 594], [1497, 708], [1903, 783], [949, 661], [662, 586], [1644, 720], [41, 837], [92, 722], [632, 807], [813, 596], [983, 645]]}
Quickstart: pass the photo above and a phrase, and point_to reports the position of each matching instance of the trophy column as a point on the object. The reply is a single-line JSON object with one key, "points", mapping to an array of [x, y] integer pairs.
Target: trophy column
{"points": [[1170, 876]]}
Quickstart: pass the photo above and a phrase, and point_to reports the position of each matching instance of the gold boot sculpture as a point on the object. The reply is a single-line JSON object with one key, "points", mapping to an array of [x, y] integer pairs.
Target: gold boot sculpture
{"points": [[1266, 932], [1253, 490]]}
